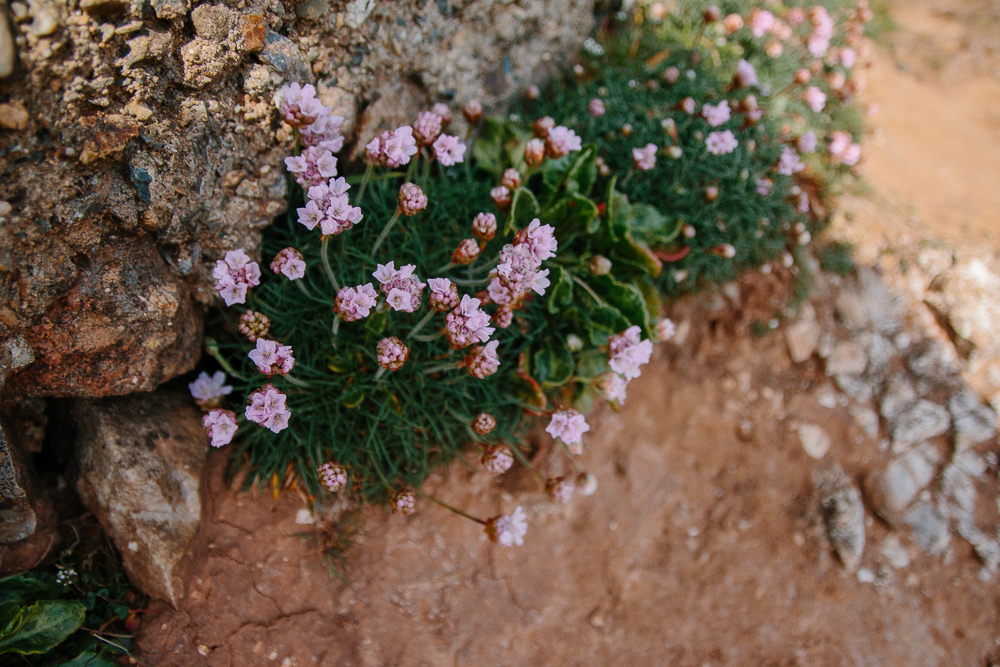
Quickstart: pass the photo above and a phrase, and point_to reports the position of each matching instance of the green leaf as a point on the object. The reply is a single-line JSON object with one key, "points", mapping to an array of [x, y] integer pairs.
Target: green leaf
{"points": [[636, 256], [604, 321], [553, 365], [591, 366], [488, 149], [626, 297], [25, 589], [561, 291], [376, 323], [523, 209], [89, 659], [353, 399], [43, 626], [582, 174], [617, 215]]}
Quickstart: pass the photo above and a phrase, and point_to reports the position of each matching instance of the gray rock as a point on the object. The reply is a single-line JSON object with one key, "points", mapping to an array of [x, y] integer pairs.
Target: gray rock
{"points": [[933, 366], [880, 354], [283, 55], [170, 9], [8, 52], [27, 518], [17, 516], [966, 300], [855, 386], [865, 418], [815, 441], [212, 21], [898, 395], [987, 548], [311, 10], [358, 12], [973, 422], [892, 490], [803, 335], [930, 528], [958, 487], [920, 421], [870, 304], [140, 466], [971, 463], [848, 358], [844, 515]]}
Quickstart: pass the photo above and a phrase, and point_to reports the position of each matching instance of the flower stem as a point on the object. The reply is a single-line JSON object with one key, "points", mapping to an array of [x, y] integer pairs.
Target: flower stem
{"points": [[411, 169], [429, 337], [385, 231], [364, 183], [295, 381], [422, 323], [587, 288], [326, 262], [628, 177], [446, 267], [449, 507], [379, 373], [451, 365], [212, 347], [470, 283]]}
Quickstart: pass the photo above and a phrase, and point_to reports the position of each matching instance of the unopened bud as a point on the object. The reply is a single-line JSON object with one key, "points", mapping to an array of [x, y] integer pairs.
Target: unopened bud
{"points": [[473, 111], [511, 179], [600, 265]]}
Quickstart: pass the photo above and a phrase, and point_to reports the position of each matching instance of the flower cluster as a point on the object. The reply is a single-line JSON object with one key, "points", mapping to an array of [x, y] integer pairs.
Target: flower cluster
{"points": [[519, 271], [391, 353], [332, 476], [289, 263], [329, 207], [467, 324], [355, 303], [220, 426], [508, 530], [272, 358], [208, 391], [234, 276], [267, 408], [402, 288], [254, 325], [392, 149]]}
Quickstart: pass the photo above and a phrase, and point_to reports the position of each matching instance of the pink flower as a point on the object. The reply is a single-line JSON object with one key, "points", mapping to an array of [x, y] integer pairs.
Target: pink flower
{"points": [[449, 150], [596, 107], [313, 167], [497, 459], [764, 187], [807, 142], [426, 128], [444, 112], [518, 266], [671, 75], [402, 502], [289, 263], [817, 45], [254, 325], [688, 105], [467, 324], [761, 22], [484, 423], [559, 489], [234, 275], [483, 361], [851, 155], [534, 152], [568, 425], [444, 294], [484, 226], [354, 303], [391, 353], [644, 158], [338, 214], [627, 352], [795, 16], [499, 293], [814, 98], [746, 74], [267, 408], [332, 476], [848, 57], [412, 199], [221, 426], [790, 162], [466, 252], [508, 530], [803, 203], [732, 23], [408, 285], [324, 133], [501, 197], [611, 386], [503, 316], [298, 105], [311, 214], [473, 111], [208, 391], [392, 149], [665, 329], [721, 143], [539, 238], [511, 179], [717, 114], [543, 126], [272, 358], [561, 140]]}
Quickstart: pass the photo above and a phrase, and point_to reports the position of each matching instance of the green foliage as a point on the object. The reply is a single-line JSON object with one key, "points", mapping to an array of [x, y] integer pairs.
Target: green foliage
{"points": [[837, 257], [38, 627]]}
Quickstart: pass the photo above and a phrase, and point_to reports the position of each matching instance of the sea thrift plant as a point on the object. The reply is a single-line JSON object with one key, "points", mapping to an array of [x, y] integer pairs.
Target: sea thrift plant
{"points": [[208, 390]]}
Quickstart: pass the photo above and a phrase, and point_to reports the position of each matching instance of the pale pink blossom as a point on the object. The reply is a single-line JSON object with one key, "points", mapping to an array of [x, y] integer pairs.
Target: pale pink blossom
{"points": [[220, 426], [796, 16], [501, 197], [355, 303], [761, 22], [807, 142], [444, 294], [289, 263], [391, 353], [803, 203], [483, 361], [449, 150], [534, 152], [324, 133], [497, 459], [312, 167], [511, 179], [817, 45], [444, 111], [671, 74], [790, 162], [764, 187], [254, 325], [596, 107], [746, 74], [665, 329], [559, 489], [339, 216], [208, 391], [466, 252], [484, 423], [311, 214], [851, 155], [503, 316], [627, 352], [402, 502], [234, 275], [644, 158], [688, 105], [267, 408], [848, 57], [411, 199], [517, 267], [298, 105], [539, 283], [611, 386], [403, 280], [568, 425], [467, 324], [717, 114], [484, 226], [732, 23], [508, 530], [272, 358], [540, 239], [721, 143], [814, 98], [392, 149], [332, 476], [499, 293], [426, 128], [543, 126], [561, 141]]}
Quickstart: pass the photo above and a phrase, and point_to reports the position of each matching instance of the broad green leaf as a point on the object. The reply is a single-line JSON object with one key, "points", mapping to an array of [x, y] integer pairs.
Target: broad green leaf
{"points": [[602, 322], [553, 365], [523, 209], [89, 659], [626, 298], [561, 290], [636, 256], [376, 323], [582, 173], [353, 399], [591, 366], [25, 589], [43, 626], [489, 149]]}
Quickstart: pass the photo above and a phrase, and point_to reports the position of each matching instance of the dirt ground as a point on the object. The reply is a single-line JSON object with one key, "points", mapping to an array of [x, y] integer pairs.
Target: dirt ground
{"points": [[704, 543]]}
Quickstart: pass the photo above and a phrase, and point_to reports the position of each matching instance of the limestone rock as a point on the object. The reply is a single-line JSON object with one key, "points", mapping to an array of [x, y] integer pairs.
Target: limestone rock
{"points": [[13, 116], [973, 422], [869, 303], [966, 300], [815, 441], [803, 335], [140, 464], [921, 421], [930, 528], [892, 490], [8, 51], [848, 358], [844, 514]]}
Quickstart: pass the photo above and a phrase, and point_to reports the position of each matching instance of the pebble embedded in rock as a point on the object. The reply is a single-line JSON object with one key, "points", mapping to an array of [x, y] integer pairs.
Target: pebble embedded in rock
{"points": [[8, 52], [815, 441], [921, 421], [13, 116], [844, 515], [848, 358], [891, 491], [974, 422], [803, 335], [930, 528]]}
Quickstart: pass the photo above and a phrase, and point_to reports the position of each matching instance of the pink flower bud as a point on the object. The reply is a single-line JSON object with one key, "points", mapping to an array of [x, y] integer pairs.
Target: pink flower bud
{"points": [[444, 112], [534, 152], [501, 197], [596, 107], [586, 483], [484, 423], [559, 489], [426, 128], [391, 353], [444, 294], [511, 179], [600, 265], [473, 111], [803, 76], [466, 252], [542, 126], [483, 361], [503, 317], [412, 199], [497, 459], [711, 193], [332, 476], [732, 23], [532, 93], [724, 250], [402, 502], [712, 14], [484, 227], [254, 325]]}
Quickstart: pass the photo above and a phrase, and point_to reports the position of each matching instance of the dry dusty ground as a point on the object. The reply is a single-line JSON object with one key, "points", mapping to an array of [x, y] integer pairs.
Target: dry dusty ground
{"points": [[704, 544]]}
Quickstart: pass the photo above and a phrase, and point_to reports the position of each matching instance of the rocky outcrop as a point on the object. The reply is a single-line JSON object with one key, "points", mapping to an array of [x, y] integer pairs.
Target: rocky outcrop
{"points": [[145, 132], [140, 464]]}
